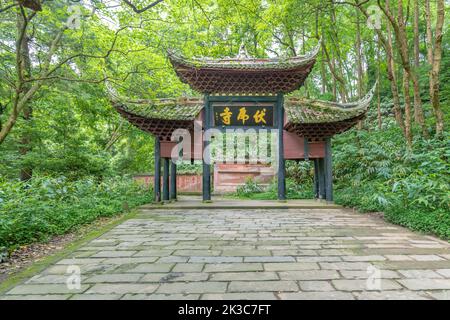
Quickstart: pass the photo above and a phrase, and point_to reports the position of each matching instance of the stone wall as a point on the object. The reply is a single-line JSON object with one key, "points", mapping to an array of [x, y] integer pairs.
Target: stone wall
{"points": [[227, 177], [185, 182]]}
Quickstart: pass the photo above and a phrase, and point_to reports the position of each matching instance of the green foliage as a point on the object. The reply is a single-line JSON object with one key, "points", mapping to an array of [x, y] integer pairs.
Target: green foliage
{"points": [[3, 254], [74, 131], [374, 171], [435, 222], [44, 207], [294, 190], [249, 188], [187, 168]]}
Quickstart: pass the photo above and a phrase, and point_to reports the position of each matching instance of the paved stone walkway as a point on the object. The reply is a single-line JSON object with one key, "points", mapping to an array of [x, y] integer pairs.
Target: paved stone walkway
{"points": [[250, 254]]}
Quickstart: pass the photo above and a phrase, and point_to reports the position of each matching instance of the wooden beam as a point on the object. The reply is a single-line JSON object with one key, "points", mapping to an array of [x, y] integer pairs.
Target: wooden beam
{"points": [[157, 175], [281, 163]]}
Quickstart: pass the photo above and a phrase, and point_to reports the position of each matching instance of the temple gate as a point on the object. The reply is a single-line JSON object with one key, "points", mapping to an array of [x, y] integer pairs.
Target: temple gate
{"points": [[242, 93]]}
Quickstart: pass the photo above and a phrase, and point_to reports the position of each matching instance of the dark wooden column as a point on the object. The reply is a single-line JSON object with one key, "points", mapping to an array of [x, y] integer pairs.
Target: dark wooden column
{"points": [[157, 175], [173, 180], [281, 163], [306, 148], [328, 171], [316, 178], [166, 179], [206, 164], [321, 170]]}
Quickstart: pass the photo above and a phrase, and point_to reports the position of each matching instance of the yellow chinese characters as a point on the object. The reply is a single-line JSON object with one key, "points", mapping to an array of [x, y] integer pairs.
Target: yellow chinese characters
{"points": [[243, 116], [260, 116], [226, 116]]}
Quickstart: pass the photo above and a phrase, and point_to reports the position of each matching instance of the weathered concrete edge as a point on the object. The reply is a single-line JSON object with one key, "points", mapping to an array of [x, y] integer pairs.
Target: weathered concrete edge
{"points": [[39, 266]]}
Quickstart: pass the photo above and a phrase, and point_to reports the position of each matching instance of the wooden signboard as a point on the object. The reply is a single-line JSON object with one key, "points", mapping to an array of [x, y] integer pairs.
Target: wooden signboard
{"points": [[245, 114]]}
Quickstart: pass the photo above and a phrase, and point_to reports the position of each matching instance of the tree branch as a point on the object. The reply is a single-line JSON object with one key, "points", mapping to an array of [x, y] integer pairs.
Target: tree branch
{"points": [[93, 80], [77, 55], [203, 11], [138, 11], [8, 7]]}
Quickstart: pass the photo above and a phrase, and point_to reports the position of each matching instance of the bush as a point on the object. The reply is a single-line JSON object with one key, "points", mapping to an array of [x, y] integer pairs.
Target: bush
{"points": [[44, 207], [294, 190], [436, 222], [249, 188], [374, 171]]}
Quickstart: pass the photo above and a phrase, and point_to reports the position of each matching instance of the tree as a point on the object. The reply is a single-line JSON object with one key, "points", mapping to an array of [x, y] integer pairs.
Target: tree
{"points": [[52, 60], [399, 28], [434, 57]]}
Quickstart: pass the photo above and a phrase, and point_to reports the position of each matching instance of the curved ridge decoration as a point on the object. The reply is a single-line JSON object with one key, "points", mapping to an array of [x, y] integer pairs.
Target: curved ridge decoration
{"points": [[244, 76]]}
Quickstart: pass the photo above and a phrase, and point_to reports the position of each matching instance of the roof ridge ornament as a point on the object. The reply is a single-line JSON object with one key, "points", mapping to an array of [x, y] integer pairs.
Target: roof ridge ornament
{"points": [[359, 104], [244, 75], [315, 50], [243, 54], [111, 91], [364, 101]]}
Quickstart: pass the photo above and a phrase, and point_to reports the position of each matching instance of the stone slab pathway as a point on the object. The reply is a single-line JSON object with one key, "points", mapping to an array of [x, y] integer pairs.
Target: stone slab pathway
{"points": [[249, 254]]}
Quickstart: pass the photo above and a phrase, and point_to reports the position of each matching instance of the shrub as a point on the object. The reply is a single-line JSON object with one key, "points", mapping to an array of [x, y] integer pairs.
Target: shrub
{"points": [[294, 190], [379, 173], [44, 207], [249, 188]]}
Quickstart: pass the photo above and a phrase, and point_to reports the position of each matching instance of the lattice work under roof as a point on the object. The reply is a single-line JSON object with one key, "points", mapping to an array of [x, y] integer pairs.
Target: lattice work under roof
{"points": [[313, 119], [244, 76], [161, 117], [317, 120]]}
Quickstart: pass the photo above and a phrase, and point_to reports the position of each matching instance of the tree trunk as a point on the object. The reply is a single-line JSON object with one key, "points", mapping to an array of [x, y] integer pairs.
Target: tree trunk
{"points": [[418, 113], [429, 35], [323, 74], [393, 79], [387, 44], [359, 68], [416, 34], [379, 120], [408, 132], [303, 52], [337, 77], [434, 59], [337, 66], [401, 34], [401, 37], [331, 67], [26, 172], [9, 124], [25, 63]]}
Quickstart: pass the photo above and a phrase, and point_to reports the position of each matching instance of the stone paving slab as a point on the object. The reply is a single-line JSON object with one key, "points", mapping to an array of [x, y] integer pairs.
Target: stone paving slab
{"points": [[264, 254]]}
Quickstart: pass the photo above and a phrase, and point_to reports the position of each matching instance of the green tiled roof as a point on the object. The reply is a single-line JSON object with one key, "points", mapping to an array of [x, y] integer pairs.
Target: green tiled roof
{"points": [[163, 109], [245, 63], [304, 111], [298, 110]]}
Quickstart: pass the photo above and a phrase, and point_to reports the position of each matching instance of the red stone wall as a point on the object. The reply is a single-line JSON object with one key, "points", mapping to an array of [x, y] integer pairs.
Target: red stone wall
{"points": [[185, 182], [227, 177]]}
